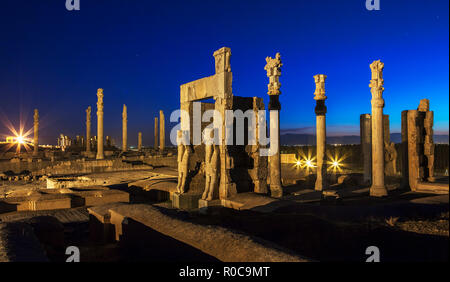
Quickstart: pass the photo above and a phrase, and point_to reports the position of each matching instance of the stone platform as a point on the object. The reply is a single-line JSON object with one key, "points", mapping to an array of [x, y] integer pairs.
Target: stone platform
{"points": [[61, 199], [246, 201]]}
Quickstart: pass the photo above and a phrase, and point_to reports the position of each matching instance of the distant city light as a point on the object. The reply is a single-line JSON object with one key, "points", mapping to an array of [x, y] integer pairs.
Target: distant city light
{"points": [[336, 162], [20, 140]]}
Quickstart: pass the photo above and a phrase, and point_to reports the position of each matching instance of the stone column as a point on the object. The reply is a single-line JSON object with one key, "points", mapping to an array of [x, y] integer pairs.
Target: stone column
{"points": [[378, 188], [124, 128], [139, 141], [366, 146], [100, 153], [36, 133], [273, 68], [88, 129], [162, 133], [156, 133], [321, 110]]}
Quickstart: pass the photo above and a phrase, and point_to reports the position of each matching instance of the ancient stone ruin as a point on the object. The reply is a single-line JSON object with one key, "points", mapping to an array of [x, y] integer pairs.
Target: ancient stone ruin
{"points": [[235, 168], [418, 149]]}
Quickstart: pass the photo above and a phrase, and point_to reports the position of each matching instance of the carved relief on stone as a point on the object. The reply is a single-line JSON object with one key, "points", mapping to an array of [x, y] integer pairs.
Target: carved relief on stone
{"points": [[273, 68], [390, 158], [377, 81], [319, 93], [184, 152], [211, 165]]}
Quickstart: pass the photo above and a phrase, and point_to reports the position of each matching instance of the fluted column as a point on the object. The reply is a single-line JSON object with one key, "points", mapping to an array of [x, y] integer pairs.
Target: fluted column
{"points": [[88, 129], [378, 188], [36, 133], [124, 128], [273, 68], [100, 153], [321, 110]]}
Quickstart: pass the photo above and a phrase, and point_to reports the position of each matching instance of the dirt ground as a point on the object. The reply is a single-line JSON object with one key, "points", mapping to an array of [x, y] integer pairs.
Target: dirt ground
{"points": [[405, 226]]}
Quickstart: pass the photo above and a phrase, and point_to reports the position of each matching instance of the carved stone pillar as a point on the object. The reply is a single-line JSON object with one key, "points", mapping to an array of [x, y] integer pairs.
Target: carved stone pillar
{"points": [[273, 68], [100, 153], [36, 133], [378, 188], [88, 129], [321, 110]]}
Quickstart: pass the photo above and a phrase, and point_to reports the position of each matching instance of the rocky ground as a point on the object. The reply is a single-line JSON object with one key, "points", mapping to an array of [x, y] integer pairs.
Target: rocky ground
{"points": [[405, 226]]}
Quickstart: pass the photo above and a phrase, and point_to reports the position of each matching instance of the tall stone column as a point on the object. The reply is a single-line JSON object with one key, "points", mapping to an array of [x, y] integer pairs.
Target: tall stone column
{"points": [[124, 128], [156, 134], [366, 146], [321, 110], [36, 133], [100, 153], [139, 141], [88, 129], [273, 68], [378, 188], [162, 132]]}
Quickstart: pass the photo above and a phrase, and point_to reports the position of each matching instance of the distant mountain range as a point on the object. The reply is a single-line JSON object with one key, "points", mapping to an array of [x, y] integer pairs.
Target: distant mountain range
{"points": [[310, 139]]}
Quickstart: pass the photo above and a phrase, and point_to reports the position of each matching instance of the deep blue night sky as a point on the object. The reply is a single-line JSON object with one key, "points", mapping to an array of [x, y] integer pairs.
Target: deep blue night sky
{"points": [[141, 51]]}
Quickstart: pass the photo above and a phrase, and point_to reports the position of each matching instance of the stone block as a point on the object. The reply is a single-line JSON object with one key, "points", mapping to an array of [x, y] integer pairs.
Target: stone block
{"points": [[101, 230], [185, 201], [47, 203], [96, 198]]}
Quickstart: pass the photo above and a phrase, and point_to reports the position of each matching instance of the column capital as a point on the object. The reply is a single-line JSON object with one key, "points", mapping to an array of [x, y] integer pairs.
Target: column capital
{"points": [[273, 68], [100, 100], [319, 93], [377, 81]]}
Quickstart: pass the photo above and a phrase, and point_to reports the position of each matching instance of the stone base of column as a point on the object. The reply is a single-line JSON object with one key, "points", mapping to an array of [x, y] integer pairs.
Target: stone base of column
{"points": [[100, 157], [276, 191], [378, 191], [319, 185], [185, 201]]}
